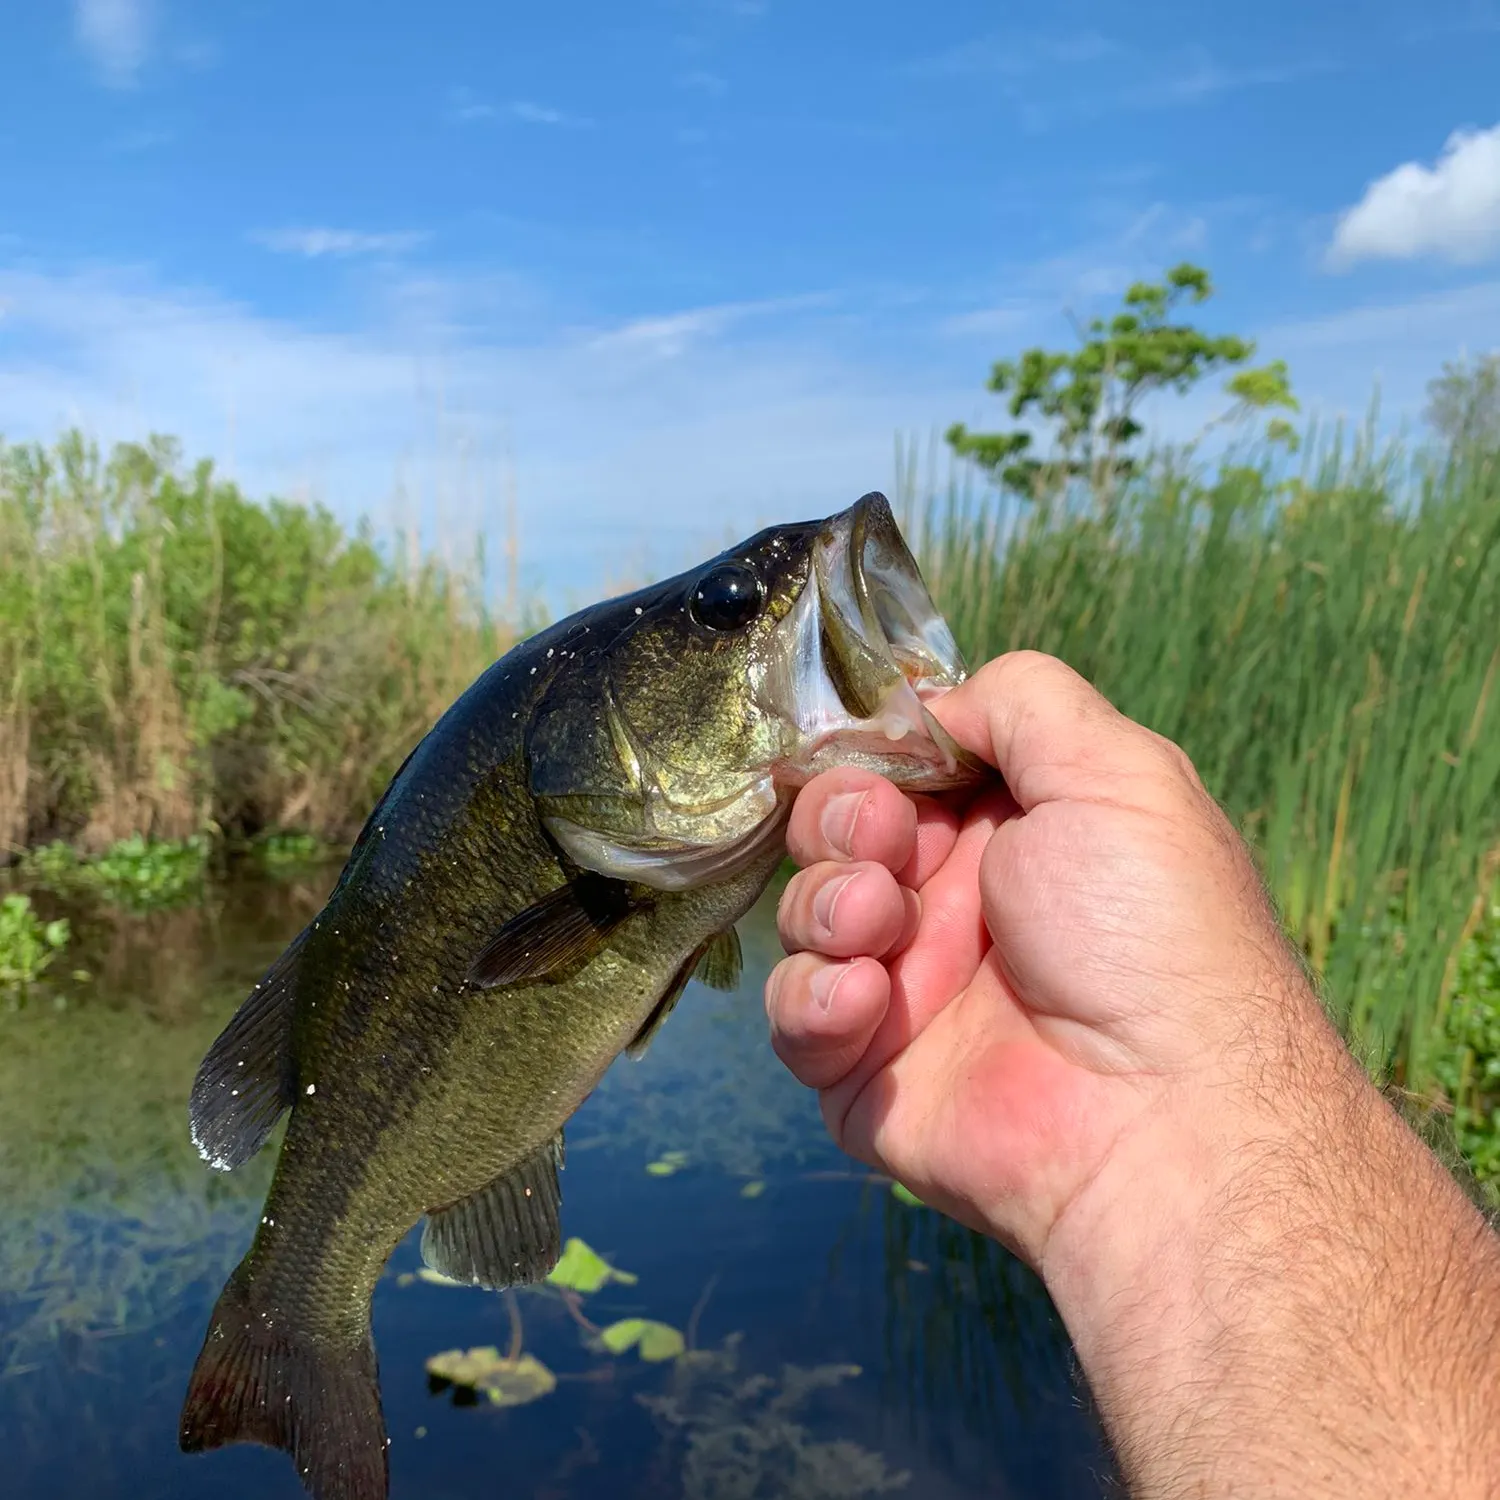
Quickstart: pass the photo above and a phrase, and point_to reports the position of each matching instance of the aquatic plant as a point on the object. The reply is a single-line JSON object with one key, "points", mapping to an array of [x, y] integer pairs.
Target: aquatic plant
{"points": [[581, 1268], [28, 945], [653, 1341], [1469, 1068], [1324, 641], [281, 849], [740, 1437], [137, 873], [175, 658]]}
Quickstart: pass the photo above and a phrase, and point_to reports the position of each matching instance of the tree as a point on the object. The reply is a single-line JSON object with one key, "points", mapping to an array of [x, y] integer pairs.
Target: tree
{"points": [[1463, 403], [1091, 395]]}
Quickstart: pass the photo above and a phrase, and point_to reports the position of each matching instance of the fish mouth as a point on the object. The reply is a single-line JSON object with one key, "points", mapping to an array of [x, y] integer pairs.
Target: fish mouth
{"points": [[868, 652]]}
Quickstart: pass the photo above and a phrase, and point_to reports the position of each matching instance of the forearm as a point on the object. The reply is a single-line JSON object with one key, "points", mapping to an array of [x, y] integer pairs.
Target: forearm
{"points": [[1279, 1291]]}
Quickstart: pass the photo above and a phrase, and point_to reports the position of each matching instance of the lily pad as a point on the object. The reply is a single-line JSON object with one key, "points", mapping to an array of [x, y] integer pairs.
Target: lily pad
{"points": [[582, 1269], [903, 1194], [506, 1382], [652, 1341], [667, 1163]]}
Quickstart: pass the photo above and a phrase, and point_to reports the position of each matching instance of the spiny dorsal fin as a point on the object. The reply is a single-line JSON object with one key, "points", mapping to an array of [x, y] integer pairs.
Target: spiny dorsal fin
{"points": [[722, 963], [248, 1077], [509, 1232], [566, 926]]}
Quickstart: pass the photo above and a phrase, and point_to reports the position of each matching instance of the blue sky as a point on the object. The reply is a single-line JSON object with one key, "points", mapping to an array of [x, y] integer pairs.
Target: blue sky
{"points": [[675, 268]]}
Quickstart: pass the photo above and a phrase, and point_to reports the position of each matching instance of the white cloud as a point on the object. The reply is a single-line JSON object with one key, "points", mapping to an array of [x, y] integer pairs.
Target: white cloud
{"points": [[116, 34], [669, 336], [1450, 210], [465, 107], [1007, 321], [685, 427], [541, 114], [702, 81], [754, 416], [1013, 54], [314, 243]]}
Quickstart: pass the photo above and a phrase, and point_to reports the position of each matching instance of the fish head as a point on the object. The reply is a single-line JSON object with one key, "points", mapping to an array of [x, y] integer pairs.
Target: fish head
{"points": [[666, 750]]}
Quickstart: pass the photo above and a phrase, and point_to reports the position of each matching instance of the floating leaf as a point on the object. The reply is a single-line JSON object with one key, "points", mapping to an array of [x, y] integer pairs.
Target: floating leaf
{"points": [[903, 1194], [506, 1382], [667, 1163], [582, 1269], [618, 1337], [514, 1382], [753, 1189], [652, 1341], [463, 1366]]}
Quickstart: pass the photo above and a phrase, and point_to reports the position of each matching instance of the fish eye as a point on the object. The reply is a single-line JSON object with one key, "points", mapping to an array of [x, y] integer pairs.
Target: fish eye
{"points": [[727, 598]]}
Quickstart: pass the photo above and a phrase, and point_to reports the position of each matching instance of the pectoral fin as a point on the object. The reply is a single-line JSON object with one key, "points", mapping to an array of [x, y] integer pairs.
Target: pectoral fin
{"points": [[566, 926], [508, 1232]]}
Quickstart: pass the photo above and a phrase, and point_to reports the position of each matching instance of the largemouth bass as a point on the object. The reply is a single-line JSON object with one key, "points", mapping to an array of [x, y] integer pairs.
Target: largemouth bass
{"points": [[574, 838]]}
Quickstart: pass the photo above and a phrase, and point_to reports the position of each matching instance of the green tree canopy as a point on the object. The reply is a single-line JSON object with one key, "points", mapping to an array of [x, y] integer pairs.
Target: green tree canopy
{"points": [[1463, 403], [1090, 395]]}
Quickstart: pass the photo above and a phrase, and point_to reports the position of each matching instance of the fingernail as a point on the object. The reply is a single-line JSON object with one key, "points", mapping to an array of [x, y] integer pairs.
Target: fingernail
{"points": [[827, 898], [825, 983], [840, 814]]}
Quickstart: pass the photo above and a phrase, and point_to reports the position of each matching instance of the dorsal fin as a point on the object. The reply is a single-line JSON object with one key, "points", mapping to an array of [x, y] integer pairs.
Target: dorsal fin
{"points": [[507, 1233], [248, 1077], [566, 926]]}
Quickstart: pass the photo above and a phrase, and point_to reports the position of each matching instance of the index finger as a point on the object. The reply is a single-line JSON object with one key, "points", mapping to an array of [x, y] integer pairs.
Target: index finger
{"points": [[850, 815]]}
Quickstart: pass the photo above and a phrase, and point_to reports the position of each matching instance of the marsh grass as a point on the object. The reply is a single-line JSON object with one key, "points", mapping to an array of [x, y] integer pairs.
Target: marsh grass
{"points": [[176, 660], [1324, 643]]}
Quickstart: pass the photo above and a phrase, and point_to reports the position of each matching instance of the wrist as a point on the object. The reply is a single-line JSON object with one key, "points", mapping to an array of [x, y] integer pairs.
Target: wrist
{"points": [[1271, 1286]]}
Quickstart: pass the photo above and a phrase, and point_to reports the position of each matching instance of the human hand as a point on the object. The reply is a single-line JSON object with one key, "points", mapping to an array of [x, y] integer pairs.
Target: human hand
{"points": [[995, 998], [1065, 1014]]}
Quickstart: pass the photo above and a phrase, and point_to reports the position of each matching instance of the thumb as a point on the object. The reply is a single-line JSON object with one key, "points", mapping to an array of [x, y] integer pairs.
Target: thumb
{"points": [[1047, 730]]}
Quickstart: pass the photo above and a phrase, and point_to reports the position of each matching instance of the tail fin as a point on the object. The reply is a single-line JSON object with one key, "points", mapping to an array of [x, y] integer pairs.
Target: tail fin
{"points": [[258, 1380]]}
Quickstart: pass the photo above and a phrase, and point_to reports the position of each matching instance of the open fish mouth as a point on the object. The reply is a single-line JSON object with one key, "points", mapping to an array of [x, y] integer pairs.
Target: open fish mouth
{"points": [[868, 651]]}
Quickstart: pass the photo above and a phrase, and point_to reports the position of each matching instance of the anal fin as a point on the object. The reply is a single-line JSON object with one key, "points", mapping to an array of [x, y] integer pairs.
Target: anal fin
{"points": [[248, 1078], [507, 1233]]}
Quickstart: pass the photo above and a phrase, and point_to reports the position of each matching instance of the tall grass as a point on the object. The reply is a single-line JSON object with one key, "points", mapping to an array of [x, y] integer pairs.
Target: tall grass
{"points": [[175, 659], [1326, 646]]}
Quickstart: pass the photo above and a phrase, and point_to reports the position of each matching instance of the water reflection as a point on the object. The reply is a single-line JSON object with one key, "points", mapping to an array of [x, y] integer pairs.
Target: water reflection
{"points": [[840, 1343]]}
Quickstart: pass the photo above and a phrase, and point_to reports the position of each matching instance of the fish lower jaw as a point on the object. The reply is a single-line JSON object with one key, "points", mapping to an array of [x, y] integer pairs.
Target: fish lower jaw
{"points": [[905, 756]]}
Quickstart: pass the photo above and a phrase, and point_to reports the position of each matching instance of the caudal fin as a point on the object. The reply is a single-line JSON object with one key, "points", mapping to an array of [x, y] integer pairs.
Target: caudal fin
{"points": [[258, 1380]]}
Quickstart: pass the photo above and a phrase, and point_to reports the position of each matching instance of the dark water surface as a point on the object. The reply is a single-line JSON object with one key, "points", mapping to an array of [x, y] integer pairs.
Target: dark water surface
{"points": [[841, 1344]]}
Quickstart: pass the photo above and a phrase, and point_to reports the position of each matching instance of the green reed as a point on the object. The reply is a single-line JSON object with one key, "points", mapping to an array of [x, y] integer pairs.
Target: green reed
{"points": [[175, 659], [1324, 643]]}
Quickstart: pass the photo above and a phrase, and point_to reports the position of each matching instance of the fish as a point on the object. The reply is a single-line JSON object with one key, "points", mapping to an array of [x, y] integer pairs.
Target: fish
{"points": [[568, 845]]}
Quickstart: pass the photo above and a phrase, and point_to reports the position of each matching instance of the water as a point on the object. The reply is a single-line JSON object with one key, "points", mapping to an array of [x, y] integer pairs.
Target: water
{"points": [[841, 1344]]}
